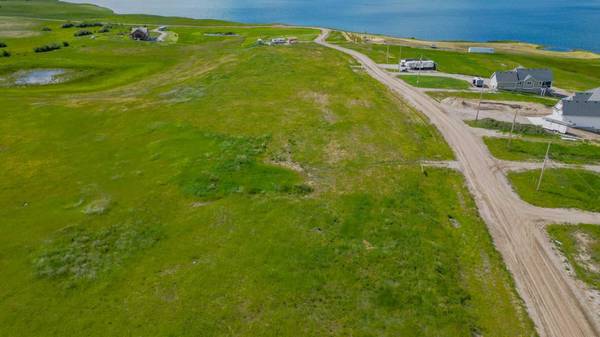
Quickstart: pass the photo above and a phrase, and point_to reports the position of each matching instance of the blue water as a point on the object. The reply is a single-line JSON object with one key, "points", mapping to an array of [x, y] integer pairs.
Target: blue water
{"points": [[556, 24]]}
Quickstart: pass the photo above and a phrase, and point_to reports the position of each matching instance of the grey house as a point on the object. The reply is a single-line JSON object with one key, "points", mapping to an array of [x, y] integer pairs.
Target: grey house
{"points": [[581, 110], [537, 81], [140, 34]]}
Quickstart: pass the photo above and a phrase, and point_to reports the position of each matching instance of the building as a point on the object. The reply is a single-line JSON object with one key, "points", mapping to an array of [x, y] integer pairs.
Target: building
{"points": [[411, 64], [581, 111], [481, 50], [537, 81], [140, 33]]}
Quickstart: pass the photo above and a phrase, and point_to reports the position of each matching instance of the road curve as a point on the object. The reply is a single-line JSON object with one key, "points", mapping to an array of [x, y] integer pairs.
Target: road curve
{"points": [[555, 303]]}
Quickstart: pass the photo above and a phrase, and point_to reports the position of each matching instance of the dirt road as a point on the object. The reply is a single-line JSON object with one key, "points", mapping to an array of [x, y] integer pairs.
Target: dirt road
{"points": [[555, 303]]}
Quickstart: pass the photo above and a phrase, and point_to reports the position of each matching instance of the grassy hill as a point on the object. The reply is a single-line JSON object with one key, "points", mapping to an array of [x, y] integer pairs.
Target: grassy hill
{"points": [[216, 187]]}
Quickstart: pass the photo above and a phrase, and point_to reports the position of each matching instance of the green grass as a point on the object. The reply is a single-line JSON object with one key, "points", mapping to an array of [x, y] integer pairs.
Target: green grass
{"points": [[505, 127], [581, 246], [561, 188], [569, 73], [336, 37], [531, 150], [214, 187], [500, 96], [435, 82]]}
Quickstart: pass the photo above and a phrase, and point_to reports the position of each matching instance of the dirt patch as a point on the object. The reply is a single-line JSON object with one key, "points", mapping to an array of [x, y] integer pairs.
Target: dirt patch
{"points": [[335, 152], [584, 257], [284, 159], [503, 111], [14, 28], [525, 109], [359, 103], [322, 102]]}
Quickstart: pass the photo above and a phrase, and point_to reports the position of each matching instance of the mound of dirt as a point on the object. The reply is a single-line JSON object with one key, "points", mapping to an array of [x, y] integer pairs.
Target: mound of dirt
{"points": [[524, 108]]}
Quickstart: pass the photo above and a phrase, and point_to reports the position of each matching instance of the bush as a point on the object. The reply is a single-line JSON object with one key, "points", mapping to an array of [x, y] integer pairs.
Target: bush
{"points": [[46, 48], [65, 44], [67, 25], [5, 53], [104, 30], [46, 29], [88, 24], [2, 45], [82, 33]]}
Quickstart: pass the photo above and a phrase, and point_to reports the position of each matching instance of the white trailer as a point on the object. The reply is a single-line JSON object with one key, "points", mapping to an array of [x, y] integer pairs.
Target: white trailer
{"points": [[410, 64], [481, 50]]}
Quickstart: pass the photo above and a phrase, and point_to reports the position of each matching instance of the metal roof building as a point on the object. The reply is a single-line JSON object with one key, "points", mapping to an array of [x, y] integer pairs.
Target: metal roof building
{"points": [[581, 110]]}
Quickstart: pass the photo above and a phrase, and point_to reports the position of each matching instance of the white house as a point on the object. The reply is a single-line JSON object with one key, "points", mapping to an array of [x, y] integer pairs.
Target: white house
{"points": [[537, 81], [581, 111], [481, 50]]}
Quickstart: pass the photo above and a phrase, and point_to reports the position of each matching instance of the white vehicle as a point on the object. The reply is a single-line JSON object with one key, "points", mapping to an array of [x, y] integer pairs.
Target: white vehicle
{"points": [[478, 82]]}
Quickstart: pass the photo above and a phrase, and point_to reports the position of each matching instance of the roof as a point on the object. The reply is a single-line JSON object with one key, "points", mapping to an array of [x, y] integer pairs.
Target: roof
{"points": [[544, 75], [142, 29], [595, 97], [506, 76], [524, 74], [481, 49], [586, 96]]}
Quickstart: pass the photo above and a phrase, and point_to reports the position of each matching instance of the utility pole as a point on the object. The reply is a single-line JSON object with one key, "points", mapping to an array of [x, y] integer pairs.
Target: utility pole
{"points": [[512, 128], [479, 104], [419, 69], [387, 54], [539, 185], [400, 60]]}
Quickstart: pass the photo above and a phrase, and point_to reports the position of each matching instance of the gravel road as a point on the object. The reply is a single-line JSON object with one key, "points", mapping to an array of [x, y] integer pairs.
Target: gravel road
{"points": [[553, 299]]}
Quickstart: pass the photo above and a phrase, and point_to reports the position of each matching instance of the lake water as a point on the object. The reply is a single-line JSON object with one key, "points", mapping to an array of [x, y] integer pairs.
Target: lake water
{"points": [[556, 24]]}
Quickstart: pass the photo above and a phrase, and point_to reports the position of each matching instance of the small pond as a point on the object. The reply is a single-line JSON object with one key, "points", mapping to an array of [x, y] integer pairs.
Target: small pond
{"points": [[39, 76]]}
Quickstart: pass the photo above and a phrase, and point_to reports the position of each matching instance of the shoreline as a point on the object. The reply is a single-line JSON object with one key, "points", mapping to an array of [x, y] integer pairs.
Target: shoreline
{"points": [[382, 31]]}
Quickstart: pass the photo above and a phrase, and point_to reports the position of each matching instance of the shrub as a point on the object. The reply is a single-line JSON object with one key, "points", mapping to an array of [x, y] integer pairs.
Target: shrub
{"points": [[2, 45], [5, 53], [65, 44], [67, 25], [82, 33], [88, 24], [104, 30], [46, 29], [46, 48]]}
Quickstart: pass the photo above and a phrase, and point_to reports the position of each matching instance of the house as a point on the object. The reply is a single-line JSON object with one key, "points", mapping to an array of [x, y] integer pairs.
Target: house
{"points": [[581, 111], [481, 50], [411, 64], [140, 33], [537, 81]]}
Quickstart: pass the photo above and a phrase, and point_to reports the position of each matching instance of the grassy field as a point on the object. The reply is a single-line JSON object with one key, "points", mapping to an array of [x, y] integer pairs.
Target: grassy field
{"points": [[435, 82], [500, 96], [214, 187], [581, 246], [505, 127], [532, 150], [570, 73], [561, 188]]}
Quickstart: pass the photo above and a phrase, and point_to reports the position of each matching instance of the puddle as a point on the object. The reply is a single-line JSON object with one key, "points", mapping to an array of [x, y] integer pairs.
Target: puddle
{"points": [[39, 77]]}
